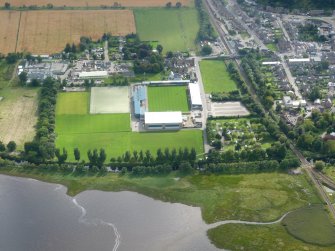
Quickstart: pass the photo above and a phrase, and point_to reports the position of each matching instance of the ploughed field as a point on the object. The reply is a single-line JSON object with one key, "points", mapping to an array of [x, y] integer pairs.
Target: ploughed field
{"points": [[95, 3], [46, 32]]}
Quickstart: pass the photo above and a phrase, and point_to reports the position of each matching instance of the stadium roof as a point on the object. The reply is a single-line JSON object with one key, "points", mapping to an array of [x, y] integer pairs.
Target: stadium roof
{"points": [[93, 74], [299, 60], [195, 93], [163, 118], [271, 63], [166, 82]]}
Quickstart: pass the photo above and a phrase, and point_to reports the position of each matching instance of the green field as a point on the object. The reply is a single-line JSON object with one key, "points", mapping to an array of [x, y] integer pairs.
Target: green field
{"points": [[272, 47], [111, 131], [117, 143], [72, 103], [98, 123], [260, 238], [174, 29], [312, 225], [216, 77], [167, 98]]}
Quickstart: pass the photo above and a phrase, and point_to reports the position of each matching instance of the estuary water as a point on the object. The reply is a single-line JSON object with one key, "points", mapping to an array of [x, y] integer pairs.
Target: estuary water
{"points": [[40, 216]]}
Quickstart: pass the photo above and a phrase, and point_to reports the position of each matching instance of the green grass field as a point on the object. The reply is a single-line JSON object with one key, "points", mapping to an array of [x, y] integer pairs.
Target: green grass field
{"points": [[74, 128], [215, 76], [167, 98], [272, 47], [174, 29], [86, 124], [260, 238], [312, 225], [117, 143], [72, 103]]}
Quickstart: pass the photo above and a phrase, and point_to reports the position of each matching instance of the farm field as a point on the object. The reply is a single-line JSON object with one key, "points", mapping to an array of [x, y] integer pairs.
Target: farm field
{"points": [[95, 3], [18, 114], [167, 98], [17, 109], [45, 32], [174, 29], [9, 21], [77, 101], [216, 77]]}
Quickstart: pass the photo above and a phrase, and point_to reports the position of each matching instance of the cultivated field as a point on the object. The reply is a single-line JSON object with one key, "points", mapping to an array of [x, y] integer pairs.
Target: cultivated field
{"points": [[97, 3], [45, 32], [9, 21], [174, 29], [18, 115], [78, 101], [109, 100], [111, 132], [167, 98], [215, 76]]}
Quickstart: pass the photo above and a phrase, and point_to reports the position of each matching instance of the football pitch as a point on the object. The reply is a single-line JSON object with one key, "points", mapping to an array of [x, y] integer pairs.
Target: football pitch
{"points": [[76, 128], [167, 98], [216, 77], [174, 29]]}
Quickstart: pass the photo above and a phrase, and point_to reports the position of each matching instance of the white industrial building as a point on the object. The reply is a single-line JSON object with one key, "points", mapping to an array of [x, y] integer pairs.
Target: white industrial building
{"points": [[195, 96], [163, 120], [93, 74]]}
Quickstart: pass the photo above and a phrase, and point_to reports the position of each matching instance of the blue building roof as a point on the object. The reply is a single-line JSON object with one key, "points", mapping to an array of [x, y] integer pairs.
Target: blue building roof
{"points": [[140, 100]]}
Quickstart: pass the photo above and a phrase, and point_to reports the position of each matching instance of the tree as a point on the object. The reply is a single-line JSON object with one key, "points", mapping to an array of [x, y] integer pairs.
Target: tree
{"points": [[185, 167], [76, 154], [178, 4], [168, 5], [11, 146], [102, 158], [2, 147], [7, 5], [319, 165], [159, 48], [35, 82], [61, 156], [206, 50], [23, 78]]}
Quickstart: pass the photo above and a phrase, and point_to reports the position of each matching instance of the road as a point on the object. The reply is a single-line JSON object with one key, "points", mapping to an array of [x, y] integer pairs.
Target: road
{"points": [[290, 78], [106, 54], [204, 103]]}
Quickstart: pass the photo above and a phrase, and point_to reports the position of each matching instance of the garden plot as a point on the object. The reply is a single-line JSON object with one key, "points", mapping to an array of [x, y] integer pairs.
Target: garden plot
{"points": [[242, 133], [228, 109], [109, 100]]}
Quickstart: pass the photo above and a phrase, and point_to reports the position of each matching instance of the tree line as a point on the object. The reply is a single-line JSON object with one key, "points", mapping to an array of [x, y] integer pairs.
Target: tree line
{"points": [[206, 31], [42, 148]]}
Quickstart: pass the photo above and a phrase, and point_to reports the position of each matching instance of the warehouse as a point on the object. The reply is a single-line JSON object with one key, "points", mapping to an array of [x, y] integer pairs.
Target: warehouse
{"points": [[163, 120], [195, 96], [93, 74]]}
